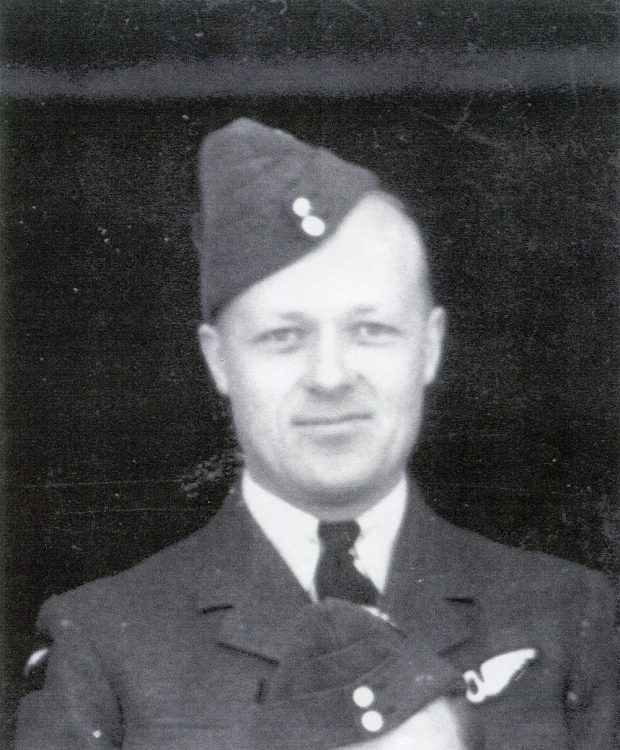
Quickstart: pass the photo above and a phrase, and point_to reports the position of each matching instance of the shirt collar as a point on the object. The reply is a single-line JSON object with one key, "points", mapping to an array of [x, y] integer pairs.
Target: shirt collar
{"points": [[293, 532], [379, 527]]}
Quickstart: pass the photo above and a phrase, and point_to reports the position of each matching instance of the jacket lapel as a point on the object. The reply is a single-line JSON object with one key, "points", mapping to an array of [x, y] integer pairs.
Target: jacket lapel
{"points": [[252, 582], [429, 593]]}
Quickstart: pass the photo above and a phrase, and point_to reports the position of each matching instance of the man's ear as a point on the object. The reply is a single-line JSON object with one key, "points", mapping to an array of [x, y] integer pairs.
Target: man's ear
{"points": [[435, 334], [211, 347]]}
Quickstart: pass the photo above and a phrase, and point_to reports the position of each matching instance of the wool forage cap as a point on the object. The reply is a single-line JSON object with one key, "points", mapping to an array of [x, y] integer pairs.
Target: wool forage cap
{"points": [[267, 199], [347, 675]]}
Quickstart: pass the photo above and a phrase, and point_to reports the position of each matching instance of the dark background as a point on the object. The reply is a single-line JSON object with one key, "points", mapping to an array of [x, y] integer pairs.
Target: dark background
{"points": [[115, 444]]}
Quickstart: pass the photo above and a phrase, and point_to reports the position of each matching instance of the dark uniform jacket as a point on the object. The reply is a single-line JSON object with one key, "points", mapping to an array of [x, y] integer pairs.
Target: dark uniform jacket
{"points": [[174, 652]]}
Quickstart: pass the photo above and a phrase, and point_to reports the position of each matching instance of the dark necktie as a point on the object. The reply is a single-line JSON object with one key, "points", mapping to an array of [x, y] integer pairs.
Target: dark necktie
{"points": [[336, 575]]}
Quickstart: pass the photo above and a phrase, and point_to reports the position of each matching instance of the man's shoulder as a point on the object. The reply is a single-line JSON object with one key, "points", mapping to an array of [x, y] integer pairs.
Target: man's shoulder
{"points": [[495, 564], [165, 578]]}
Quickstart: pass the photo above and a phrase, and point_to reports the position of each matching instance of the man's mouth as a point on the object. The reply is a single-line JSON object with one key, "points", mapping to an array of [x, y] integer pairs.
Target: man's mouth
{"points": [[328, 420]]}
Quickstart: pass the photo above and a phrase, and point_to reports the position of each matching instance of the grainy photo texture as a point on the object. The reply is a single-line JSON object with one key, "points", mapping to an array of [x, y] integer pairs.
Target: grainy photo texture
{"points": [[309, 336]]}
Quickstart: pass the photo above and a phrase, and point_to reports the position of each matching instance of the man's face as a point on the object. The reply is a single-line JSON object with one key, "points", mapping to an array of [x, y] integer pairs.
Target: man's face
{"points": [[325, 364]]}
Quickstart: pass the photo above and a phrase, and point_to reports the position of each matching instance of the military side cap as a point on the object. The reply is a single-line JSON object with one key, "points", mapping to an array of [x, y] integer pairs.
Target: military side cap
{"points": [[267, 199], [347, 675]]}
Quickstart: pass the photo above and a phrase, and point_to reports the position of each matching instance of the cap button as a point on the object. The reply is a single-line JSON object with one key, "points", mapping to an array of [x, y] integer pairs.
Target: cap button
{"points": [[372, 721], [313, 225], [301, 207], [363, 696]]}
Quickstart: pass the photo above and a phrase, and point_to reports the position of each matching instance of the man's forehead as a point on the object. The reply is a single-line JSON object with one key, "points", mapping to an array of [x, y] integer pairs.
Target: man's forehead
{"points": [[370, 265], [386, 217], [375, 239]]}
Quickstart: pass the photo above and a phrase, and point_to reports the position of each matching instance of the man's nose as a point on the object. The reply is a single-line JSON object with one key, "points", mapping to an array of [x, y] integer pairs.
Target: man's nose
{"points": [[328, 368]]}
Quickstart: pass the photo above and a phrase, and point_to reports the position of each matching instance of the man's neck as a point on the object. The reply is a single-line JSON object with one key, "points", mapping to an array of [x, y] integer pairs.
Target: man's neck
{"points": [[336, 507]]}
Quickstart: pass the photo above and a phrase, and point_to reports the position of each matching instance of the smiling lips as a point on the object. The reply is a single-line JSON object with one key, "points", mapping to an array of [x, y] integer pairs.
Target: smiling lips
{"points": [[331, 420]]}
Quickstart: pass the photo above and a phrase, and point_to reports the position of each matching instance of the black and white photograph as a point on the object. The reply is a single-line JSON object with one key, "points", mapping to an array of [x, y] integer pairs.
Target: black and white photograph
{"points": [[309, 364]]}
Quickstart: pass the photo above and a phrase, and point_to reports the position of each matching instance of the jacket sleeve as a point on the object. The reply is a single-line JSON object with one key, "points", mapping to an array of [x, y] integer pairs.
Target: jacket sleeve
{"points": [[76, 708], [591, 694]]}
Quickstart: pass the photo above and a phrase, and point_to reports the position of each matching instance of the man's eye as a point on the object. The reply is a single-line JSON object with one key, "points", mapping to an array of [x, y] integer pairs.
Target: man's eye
{"points": [[282, 336], [369, 331]]}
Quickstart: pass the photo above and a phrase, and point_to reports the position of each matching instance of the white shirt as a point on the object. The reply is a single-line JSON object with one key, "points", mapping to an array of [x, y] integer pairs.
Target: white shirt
{"points": [[293, 533]]}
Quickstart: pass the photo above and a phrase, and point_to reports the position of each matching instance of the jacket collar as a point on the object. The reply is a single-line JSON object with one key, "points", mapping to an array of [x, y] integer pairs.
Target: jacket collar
{"points": [[251, 581], [428, 592]]}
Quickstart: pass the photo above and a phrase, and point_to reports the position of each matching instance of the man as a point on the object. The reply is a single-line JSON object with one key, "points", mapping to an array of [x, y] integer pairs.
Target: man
{"points": [[321, 329]]}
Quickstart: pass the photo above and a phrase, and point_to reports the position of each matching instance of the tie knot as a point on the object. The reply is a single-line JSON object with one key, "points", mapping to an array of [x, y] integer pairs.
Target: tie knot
{"points": [[339, 536], [336, 574]]}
